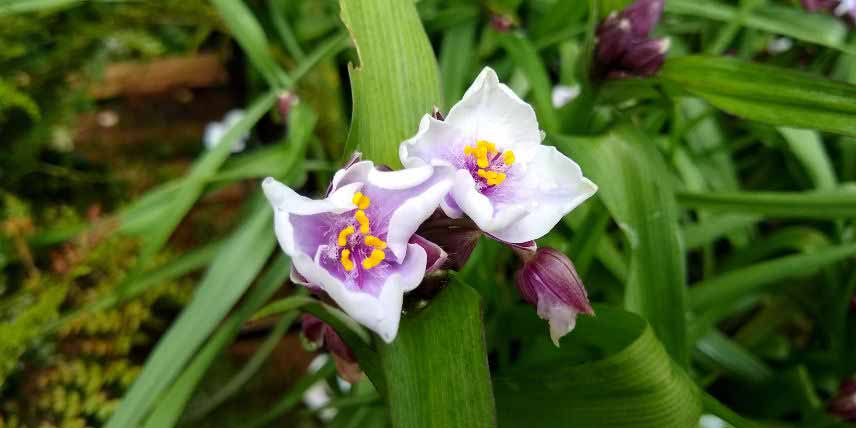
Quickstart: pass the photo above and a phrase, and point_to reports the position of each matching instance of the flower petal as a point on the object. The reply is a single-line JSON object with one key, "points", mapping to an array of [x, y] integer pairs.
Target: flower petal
{"points": [[434, 141], [551, 187], [382, 313], [481, 209], [436, 257], [491, 111], [414, 211]]}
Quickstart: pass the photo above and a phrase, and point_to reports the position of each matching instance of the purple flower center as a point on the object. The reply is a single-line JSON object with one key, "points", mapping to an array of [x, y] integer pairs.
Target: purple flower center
{"points": [[355, 252], [488, 167]]}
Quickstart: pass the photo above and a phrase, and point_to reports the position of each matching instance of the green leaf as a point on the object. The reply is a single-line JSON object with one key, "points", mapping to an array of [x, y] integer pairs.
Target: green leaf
{"points": [[812, 205], [808, 148], [437, 366], [631, 383], [231, 272], [396, 82], [782, 20], [733, 285], [629, 173], [169, 408], [456, 61], [765, 93], [249, 34], [733, 358], [527, 59]]}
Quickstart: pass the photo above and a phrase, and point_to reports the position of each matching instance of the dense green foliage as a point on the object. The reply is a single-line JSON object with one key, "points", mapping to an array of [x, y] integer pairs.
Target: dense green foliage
{"points": [[719, 249]]}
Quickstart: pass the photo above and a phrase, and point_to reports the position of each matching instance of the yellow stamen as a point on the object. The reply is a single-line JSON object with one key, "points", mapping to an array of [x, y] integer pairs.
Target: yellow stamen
{"points": [[482, 162], [482, 173], [374, 241], [345, 259], [468, 150], [374, 259], [363, 220], [487, 145], [361, 201], [508, 157], [496, 178], [343, 235]]}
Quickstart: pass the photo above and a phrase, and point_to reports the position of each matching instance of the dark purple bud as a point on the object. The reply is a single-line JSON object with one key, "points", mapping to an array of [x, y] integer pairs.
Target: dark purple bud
{"points": [[844, 403], [549, 282], [324, 337], [457, 237], [646, 57], [287, 100], [437, 114], [501, 23], [436, 256], [644, 15], [613, 38], [624, 48]]}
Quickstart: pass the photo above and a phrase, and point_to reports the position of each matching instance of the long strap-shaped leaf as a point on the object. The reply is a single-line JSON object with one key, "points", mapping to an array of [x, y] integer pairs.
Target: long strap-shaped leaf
{"points": [[231, 272], [436, 370], [765, 93], [396, 81], [629, 172], [435, 373], [633, 384]]}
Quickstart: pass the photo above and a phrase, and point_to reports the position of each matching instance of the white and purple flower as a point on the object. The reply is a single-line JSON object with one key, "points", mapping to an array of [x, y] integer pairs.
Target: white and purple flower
{"points": [[358, 244], [513, 187]]}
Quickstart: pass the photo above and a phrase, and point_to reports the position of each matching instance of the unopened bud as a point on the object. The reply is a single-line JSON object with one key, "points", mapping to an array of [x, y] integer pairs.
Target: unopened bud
{"points": [[437, 114], [287, 100], [549, 282], [456, 237], [624, 48], [501, 23], [844, 403], [324, 337]]}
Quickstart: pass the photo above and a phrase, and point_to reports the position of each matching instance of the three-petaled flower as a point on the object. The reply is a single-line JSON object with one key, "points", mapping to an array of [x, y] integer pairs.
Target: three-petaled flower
{"points": [[513, 187], [358, 244]]}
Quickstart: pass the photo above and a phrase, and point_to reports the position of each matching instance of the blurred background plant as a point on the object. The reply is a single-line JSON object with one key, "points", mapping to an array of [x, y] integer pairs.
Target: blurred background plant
{"points": [[136, 259]]}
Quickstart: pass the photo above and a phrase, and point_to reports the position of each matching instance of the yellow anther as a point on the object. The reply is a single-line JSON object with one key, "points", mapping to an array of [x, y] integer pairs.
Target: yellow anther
{"points": [[363, 220], [361, 201], [468, 150], [346, 261], [482, 162], [508, 157], [482, 173], [374, 259], [496, 178], [375, 242], [343, 235], [486, 145]]}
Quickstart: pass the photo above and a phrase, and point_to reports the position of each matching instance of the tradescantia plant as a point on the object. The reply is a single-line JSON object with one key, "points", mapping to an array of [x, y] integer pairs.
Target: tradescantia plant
{"points": [[416, 257], [482, 164]]}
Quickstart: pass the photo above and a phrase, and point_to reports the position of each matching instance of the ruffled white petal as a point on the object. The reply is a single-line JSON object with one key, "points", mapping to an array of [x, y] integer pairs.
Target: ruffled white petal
{"points": [[551, 187], [380, 314], [491, 111], [480, 208], [414, 211], [286, 201], [434, 141]]}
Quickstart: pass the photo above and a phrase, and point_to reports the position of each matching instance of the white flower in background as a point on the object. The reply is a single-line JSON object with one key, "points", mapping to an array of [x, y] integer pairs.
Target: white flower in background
{"points": [[711, 421], [359, 243], [215, 131], [845, 7], [779, 45], [563, 94], [513, 187]]}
